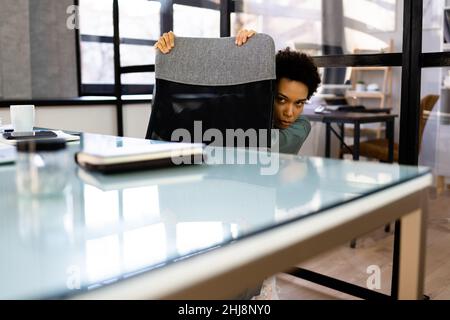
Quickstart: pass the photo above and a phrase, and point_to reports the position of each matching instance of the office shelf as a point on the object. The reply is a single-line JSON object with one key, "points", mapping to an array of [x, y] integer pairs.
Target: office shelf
{"points": [[369, 68], [380, 75], [366, 94]]}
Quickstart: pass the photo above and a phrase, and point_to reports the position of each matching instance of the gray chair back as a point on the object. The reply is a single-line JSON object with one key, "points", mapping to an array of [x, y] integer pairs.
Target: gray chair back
{"points": [[216, 83]]}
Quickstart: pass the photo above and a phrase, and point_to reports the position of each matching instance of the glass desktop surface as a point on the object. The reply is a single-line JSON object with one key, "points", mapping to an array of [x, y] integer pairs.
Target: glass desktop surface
{"points": [[104, 228]]}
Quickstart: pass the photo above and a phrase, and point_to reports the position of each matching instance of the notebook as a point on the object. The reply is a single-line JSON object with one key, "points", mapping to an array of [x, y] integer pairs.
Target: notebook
{"points": [[133, 154]]}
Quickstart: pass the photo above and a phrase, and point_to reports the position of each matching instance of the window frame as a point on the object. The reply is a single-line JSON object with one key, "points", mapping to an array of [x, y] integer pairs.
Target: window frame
{"points": [[166, 18], [108, 89]]}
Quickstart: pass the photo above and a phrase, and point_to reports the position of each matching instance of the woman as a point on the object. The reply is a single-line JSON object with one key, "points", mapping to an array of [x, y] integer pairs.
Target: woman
{"points": [[297, 80]]}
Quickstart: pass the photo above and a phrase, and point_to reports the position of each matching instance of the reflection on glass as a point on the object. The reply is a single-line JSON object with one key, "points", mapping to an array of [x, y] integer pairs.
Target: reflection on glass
{"points": [[47, 217], [134, 209], [234, 230], [283, 214], [101, 209], [191, 236], [102, 258], [144, 247], [376, 178], [434, 149]]}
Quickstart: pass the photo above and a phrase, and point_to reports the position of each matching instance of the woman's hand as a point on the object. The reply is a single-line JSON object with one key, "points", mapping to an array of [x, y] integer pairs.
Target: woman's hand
{"points": [[166, 42], [243, 36]]}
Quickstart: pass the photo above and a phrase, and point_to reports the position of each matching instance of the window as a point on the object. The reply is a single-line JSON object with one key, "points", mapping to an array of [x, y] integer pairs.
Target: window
{"points": [[322, 27], [139, 29], [141, 24], [96, 45], [206, 23]]}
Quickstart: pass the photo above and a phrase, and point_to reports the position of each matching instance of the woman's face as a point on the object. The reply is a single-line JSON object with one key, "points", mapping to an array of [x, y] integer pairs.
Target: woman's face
{"points": [[289, 102]]}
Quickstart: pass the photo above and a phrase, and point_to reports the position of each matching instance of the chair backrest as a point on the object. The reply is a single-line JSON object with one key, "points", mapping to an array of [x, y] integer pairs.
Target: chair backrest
{"points": [[426, 104], [216, 82]]}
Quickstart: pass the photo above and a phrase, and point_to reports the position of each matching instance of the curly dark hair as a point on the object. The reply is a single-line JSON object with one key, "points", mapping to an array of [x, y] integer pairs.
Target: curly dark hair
{"points": [[298, 66]]}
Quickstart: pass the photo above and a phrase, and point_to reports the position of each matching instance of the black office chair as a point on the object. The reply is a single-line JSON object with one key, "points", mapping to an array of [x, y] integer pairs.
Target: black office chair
{"points": [[216, 82]]}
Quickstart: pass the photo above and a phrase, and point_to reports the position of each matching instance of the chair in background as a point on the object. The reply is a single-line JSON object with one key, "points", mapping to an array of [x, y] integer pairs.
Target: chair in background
{"points": [[216, 82], [378, 148]]}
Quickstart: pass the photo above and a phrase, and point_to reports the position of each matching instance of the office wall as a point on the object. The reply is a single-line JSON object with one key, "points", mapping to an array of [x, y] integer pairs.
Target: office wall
{"points": [[15, 64], [135, 120], [52, 50], [95, 119], [37, 50]]}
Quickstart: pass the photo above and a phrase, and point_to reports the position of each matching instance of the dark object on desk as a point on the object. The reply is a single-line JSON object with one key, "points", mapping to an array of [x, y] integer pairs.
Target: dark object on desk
{"points": [[345, 108], [122, 159], [194, 87], [339, 108], [379, 148], [341, 104], [29, 136], [336, 101], [41, 145]]}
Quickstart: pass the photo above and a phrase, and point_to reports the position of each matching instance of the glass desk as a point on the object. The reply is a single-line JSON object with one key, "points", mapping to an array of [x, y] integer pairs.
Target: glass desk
{"points": [[200, 231]]}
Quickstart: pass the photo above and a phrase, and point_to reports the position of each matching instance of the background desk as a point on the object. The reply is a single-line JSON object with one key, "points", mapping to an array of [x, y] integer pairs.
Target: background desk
{"points": [[204, 231], [355, 118]]}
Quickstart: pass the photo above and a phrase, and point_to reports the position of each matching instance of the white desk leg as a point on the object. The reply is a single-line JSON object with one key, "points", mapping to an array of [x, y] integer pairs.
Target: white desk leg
{"points": [[412, 252]]}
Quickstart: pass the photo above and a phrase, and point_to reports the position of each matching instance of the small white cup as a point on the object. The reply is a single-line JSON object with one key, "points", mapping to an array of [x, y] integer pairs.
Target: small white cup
{"points": [[22, 117]]}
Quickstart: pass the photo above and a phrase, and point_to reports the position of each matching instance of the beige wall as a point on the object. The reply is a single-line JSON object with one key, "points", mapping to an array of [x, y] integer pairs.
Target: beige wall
{"points": [[135, 120], [95, 119]]}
